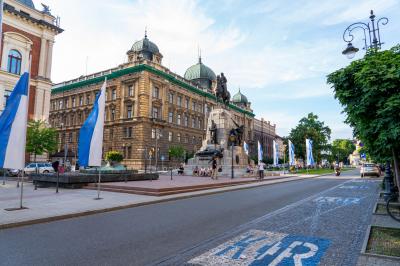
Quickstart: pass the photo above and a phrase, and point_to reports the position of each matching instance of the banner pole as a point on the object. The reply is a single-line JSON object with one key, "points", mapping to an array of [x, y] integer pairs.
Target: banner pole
{"points": [[22, 189]]}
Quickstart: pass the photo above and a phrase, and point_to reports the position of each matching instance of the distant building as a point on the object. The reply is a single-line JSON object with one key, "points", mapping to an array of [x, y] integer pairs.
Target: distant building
{"points": [[27, 32], [265, 133]]}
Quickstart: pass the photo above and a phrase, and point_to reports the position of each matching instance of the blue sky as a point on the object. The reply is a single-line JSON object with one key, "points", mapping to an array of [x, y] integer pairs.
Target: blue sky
{"points": [[278, 51]]}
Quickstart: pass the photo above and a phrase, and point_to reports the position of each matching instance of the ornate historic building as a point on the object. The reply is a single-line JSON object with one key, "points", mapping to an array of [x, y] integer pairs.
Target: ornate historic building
{"points": [[27, 32], [148, 107], [265, 133]]}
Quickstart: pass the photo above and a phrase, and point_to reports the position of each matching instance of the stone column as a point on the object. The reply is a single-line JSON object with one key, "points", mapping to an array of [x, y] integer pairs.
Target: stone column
{"points": [[49, 59], [42, 60]]}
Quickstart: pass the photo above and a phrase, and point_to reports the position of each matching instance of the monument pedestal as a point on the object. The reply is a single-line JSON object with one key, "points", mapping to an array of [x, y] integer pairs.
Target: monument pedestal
{"points": [[222, 120]]}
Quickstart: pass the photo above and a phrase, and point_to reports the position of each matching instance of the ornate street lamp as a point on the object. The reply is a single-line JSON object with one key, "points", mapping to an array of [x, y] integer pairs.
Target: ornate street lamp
{"points": [[372, 41]]}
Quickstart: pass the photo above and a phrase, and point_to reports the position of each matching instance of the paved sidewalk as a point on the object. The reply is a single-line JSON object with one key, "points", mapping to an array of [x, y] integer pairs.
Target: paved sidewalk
{"points": [[45, 205]]}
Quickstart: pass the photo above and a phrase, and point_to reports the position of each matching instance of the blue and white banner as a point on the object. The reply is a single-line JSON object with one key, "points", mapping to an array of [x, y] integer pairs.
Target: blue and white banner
{"points": [[310, 158], [13, 124], [90, 147], [246, 147], [291, 153], [260, 152], [276, 153]]}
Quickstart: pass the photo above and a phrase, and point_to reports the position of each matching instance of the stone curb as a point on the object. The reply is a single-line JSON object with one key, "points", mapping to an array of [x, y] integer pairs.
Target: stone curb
{"points": [[177, 197], [366, 255]]}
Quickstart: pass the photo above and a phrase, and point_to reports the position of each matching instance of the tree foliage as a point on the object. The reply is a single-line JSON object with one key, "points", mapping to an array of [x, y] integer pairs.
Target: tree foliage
{"points": [[177, 152], [40, 138], [310, 127], [369, 91], [114, 156], [341, 149]]}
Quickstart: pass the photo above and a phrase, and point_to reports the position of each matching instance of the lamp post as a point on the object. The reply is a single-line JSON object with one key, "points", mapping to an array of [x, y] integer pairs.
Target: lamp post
{"points": [[232, 139], [372, 40], [158, 135]]}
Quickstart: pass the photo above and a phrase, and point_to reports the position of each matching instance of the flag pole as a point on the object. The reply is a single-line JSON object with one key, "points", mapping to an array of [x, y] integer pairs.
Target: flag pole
{"points": [[99, 169]]}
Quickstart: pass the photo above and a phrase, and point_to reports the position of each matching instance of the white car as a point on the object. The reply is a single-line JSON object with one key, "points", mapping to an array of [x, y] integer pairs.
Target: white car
{"points": [[42, 168]]}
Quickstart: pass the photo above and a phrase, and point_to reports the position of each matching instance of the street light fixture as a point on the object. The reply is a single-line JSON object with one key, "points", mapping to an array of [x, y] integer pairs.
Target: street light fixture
{"points": [[372, 41]]}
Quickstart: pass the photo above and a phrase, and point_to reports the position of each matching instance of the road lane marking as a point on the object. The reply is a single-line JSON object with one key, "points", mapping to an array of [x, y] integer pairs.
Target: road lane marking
{"points": [[256, 247]]}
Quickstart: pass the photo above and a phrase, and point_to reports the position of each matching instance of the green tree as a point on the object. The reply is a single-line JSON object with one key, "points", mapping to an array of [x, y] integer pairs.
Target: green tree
{"points": [[177, 152], [341, 149], [114, 156], [40, 138], [369, 91], [310, 127]]}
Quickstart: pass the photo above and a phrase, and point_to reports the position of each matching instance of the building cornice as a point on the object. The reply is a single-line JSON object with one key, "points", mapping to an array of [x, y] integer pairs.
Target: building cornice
{"points": [[12, 10], [112, 74]]}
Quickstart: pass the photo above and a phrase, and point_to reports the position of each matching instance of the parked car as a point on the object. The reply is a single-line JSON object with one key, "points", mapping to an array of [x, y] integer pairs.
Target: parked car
{"points": [[42, 168], [370, 169], [13, 172]]}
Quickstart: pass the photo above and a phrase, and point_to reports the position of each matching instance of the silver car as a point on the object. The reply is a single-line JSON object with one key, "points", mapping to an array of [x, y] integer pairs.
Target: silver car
{"points": [[370, 169], [41, 168]]}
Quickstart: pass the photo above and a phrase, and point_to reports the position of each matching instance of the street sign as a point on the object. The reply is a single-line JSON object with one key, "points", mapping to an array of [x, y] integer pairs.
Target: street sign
{"points": [[162, 157], [363, 156]]}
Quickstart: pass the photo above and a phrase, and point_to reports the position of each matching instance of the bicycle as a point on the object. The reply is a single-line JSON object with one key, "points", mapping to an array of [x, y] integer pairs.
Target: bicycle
{"points": [[393, 205]]}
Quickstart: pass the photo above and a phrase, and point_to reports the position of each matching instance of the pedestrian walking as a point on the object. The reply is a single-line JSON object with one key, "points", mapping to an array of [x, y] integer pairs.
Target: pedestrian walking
{"points": [[214, 168], [261, 167]]}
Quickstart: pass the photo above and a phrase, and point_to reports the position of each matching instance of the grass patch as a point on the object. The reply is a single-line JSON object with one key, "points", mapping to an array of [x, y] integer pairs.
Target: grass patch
{"points": [[321, 171], [384, 241]]}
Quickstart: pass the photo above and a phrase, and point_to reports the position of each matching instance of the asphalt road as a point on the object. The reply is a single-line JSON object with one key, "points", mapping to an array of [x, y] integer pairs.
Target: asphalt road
{"points": [[145, 235]]}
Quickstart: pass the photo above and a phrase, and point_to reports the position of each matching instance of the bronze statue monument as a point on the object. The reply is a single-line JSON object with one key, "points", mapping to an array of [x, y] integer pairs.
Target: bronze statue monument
{"points": [[222, 92]]}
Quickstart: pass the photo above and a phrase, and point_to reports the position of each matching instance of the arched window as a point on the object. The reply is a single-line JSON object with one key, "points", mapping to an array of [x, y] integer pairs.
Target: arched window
{"points": [[14, 62]]}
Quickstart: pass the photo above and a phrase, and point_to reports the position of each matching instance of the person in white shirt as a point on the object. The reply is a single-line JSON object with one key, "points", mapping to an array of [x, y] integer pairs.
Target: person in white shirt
{"points": [[261, 167]]}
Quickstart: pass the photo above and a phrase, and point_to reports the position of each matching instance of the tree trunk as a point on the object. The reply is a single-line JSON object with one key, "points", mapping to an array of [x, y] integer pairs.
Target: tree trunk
{"points": [[396, 167], [34, 159]]}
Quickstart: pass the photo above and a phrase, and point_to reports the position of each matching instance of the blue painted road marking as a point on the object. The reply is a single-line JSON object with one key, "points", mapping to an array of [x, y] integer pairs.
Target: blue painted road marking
{"points": [[257, 247], [337, 200]]}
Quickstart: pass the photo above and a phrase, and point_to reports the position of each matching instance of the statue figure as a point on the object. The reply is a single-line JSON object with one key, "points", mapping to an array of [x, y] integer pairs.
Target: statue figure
{"points": [[46, 9], [222, 92], [238, 132], [213, 132]]}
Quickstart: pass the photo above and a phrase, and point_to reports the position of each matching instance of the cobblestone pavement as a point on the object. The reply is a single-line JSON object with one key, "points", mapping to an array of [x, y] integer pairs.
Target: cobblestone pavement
{"points": [[325, 229]]}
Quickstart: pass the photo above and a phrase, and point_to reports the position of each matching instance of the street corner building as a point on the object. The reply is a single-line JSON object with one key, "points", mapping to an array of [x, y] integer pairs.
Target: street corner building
{"points": [[27, 33], [144, 101]]}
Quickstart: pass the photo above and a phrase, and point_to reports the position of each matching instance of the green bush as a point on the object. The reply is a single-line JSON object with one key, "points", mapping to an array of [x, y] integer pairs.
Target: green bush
{"points": [[114, 156]]}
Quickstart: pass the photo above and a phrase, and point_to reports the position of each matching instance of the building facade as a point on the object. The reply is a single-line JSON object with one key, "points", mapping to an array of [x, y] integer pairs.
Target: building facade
{"points": [[148, 107], [27, 45], [265, 133]]}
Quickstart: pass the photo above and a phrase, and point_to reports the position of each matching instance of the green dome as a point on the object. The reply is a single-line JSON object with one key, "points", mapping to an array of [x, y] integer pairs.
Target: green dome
{"points": [[145, 45], [199, 71], [239, 98], [27, 3]]}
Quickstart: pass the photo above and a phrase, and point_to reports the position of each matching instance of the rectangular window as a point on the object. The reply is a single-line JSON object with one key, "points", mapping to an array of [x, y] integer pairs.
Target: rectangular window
{"points": [[60, 104], [73, 102], [131, 91], [170, 117], [113, 94], [87, 99], [194, 106], [179, 101], [186, 123], [170, 136], [170, 97], [66, 103], [185, 139], [155, 112], [193, 122], [129, 111], [178, 119], [200, 123], [129, 152], [178, 137], [70, 137], [128, 132], [153, 133], [80, 100], [187, 103], [156, 92], [112, 114]]}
